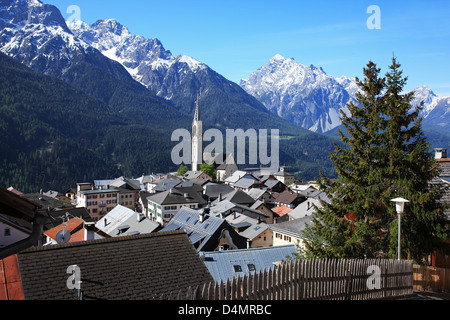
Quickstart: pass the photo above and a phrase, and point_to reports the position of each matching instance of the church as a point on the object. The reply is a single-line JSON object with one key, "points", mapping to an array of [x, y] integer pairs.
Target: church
{"points": [[225, 167]]}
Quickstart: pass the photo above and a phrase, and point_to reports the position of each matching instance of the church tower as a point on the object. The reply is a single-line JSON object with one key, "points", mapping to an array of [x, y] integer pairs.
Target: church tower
{"points": [[197, 138]]}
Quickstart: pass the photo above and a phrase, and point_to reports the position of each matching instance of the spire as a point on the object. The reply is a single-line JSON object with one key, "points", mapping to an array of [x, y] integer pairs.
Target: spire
{"points": [[197, 116]]}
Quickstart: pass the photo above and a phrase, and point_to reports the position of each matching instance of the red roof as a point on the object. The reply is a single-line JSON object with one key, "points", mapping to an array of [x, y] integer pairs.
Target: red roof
{"points": [[73, 226], [282, 210], [10, 280]]}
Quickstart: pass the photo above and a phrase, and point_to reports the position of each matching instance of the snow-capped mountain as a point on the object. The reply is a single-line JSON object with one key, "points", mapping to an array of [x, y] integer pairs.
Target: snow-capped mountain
{"points": [[36, 34], [309, 97], [173, 78], [436, 110], [306, 96]]}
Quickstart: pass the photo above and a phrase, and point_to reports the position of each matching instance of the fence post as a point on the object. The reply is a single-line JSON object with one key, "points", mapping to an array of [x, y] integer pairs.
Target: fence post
{"points": [[348, 285]]}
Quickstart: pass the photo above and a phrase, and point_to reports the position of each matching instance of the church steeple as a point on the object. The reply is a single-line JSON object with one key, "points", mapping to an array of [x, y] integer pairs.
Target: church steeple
{"points": [[197, 137], [197, 115]]}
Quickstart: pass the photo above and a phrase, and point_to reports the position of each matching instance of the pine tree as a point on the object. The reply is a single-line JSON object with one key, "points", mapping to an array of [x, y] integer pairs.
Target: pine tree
{"points": [[385, 156]]}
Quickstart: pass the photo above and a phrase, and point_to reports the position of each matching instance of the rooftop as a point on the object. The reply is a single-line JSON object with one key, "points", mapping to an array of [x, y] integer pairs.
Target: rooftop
{"points": [[173, 261], [224, 265]]}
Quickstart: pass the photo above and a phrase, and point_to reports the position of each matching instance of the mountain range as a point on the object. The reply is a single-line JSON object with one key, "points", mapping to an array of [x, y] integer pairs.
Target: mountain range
{"points": [[141, 94], [134, 119], [309, 97]]}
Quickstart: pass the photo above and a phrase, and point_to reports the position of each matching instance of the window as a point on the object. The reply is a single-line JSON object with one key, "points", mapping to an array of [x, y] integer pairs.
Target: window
{"points": [[237, 268], [7, 232], [251, 267]]}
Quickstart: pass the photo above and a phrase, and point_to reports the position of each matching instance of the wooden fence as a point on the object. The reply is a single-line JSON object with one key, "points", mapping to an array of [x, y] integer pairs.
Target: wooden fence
{"points": [[312, 279], [431, 279]]}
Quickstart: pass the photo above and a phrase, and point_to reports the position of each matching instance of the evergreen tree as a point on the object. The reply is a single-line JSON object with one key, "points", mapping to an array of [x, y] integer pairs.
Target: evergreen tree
{"points": [[385, 156]]}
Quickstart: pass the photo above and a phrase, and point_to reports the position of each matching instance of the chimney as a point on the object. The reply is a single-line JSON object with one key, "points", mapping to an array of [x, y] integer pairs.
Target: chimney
{"points": [[89, 230], [139, 216]]}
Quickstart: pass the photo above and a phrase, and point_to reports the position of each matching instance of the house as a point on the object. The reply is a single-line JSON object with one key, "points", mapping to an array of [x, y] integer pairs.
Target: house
{"points": [[13, 230], [304, 209], [225, 207], [98, 202], [128, 191], [136, 224], [236, 196], [168, 184], [303, 189], [71, 194], [261, 206], [191, 175], [21, 212], [247, 182], [290, 232], [235, 177], [213, 191], [57, 195], [152, 181], [272, 184], [56, 217], [226, 265], [110, 223], [282, 213], [206, 232], [46, 202], [253, 230], [288, 198], [77, 230], [140, 267], [262, 195], [443, 162], [163, 205], [227, 168], [284, 176]]}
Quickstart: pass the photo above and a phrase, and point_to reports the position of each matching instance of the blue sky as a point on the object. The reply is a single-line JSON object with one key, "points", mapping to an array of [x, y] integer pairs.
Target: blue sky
{"points": [[237, 37]]}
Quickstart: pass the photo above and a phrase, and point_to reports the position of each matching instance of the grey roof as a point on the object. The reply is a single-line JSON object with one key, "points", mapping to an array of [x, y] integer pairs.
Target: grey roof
{"points": [[213, 190], [115, 218], [45, 201], [96, 191], [177, 196], [118, 268], [294, 228], [237, 196], [226, 207], [189, 220], [167, 184], [253, 228], [135, 226], [236, 176], [130, 184], [256, 193], [221, 263], [304, 209], [246, 182]]}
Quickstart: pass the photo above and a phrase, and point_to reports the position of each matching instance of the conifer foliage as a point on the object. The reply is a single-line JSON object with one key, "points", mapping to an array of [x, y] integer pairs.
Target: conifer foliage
{"points": [[385, 156]]}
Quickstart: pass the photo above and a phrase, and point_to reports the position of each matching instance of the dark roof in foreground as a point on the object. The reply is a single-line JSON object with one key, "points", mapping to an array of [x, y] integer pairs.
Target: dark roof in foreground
{"points": [[122, 268]]}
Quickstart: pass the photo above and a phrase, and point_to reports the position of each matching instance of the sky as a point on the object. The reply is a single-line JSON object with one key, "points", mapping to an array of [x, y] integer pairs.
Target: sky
{"points": [[235, 38]]}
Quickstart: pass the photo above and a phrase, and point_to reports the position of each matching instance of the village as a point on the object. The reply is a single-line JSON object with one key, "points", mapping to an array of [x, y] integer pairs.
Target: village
{"points": [[159, 234]]}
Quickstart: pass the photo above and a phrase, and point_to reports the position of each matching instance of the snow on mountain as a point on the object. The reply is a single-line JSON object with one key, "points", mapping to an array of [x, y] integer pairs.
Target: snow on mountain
{"points": [[145, 59], [309, 97], [36, 34], [306, 96]]}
